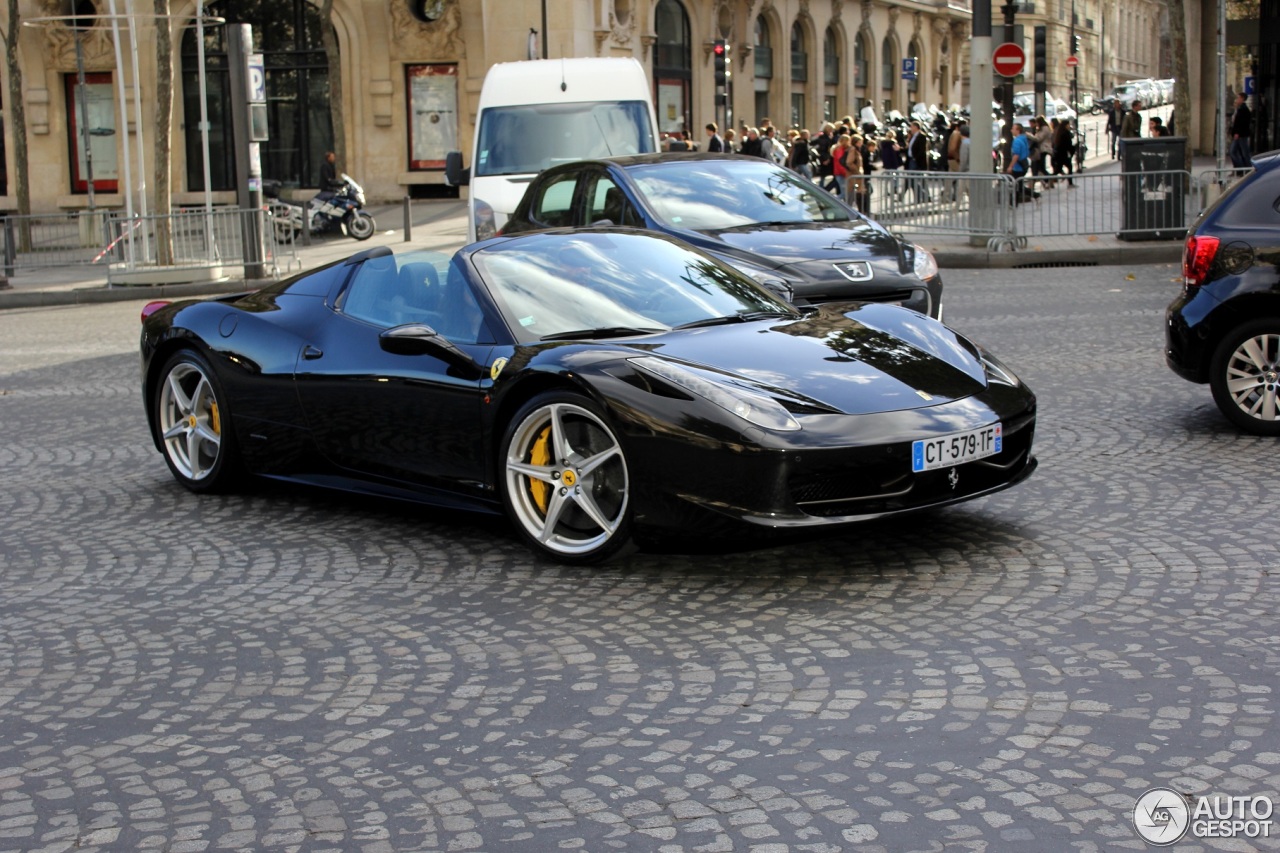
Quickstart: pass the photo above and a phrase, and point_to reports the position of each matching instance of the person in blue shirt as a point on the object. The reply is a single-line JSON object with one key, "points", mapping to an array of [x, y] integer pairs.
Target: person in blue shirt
{"points": [[1020, 160]]}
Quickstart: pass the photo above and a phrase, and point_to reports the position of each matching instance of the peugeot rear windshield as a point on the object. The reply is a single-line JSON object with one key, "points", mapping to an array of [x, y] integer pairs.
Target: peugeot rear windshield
{"points": [[528, 138]]}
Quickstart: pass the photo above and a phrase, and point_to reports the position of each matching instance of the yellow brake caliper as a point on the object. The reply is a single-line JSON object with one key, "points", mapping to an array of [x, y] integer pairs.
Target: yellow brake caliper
{"points": [[215, 420], [540, 454]]}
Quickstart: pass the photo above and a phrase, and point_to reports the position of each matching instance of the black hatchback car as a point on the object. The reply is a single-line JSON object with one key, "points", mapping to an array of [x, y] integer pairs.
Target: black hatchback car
{"points": [[768, 222], [1224, 327]]}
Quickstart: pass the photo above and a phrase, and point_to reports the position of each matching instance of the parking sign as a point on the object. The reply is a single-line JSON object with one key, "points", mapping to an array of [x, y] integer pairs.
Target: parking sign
{"points": [[909, 68], [257, 79]]}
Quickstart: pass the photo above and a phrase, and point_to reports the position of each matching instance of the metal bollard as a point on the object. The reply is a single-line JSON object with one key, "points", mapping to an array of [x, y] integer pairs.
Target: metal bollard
{"points": [[10, 253], [408, 219]]}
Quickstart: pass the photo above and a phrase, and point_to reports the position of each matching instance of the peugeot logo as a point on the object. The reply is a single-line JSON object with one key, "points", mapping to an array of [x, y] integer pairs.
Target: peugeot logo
{"points": [[855, 270], [953, 478]]}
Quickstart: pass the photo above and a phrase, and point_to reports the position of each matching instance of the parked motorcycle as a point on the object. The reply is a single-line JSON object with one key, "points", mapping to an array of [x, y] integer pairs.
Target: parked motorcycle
{"points": [[342, 209]]}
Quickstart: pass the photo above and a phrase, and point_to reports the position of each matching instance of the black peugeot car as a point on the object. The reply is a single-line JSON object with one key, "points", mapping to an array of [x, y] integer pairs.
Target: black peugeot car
{"points": [[1224, 327], [768, 222]]}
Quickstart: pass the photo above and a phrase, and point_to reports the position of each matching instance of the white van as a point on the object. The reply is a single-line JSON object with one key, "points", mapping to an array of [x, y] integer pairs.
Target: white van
{"points": [[541, 112]]}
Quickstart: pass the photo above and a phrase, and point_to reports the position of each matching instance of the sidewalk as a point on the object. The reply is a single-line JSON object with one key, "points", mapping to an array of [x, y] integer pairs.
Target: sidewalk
{"points": [[441, 226], [437, 225]]}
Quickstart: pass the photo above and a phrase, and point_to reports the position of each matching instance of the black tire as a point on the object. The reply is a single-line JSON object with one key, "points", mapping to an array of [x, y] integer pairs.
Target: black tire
{"points": [[194, 424], [564, 479], [360, 225], [1244, 376]]}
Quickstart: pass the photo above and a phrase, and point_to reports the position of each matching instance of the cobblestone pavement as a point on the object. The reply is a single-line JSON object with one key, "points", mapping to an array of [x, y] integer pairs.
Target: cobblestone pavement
{"points": [[290, 670]]}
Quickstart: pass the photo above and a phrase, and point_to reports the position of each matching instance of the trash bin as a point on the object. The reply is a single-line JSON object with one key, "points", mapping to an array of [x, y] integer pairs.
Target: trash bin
{"points": [[1154, 188]]}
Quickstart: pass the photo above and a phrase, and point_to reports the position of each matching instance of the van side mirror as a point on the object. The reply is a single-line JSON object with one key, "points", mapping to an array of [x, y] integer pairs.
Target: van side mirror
{"points": [[454, 174]]}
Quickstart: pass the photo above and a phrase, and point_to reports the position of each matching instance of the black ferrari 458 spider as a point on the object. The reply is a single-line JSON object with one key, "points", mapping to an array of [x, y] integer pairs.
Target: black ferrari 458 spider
{"points": [[599, 386]]}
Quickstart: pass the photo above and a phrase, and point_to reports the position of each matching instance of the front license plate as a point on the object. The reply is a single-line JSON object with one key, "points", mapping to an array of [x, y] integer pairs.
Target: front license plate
{"points": [[956, 449]]}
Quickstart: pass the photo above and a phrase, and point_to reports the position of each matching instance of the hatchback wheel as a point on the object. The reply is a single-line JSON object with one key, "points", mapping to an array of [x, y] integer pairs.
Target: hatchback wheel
{"points": [[1245, 376]]}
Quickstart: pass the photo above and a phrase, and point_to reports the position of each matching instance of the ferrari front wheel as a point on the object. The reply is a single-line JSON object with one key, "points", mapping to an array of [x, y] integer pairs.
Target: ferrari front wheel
{"points": [[565, 480], [194, 426]]}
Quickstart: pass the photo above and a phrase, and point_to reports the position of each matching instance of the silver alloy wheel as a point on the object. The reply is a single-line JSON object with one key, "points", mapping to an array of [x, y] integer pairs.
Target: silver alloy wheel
{"points": [[190, 421], [1253, 374], [566, 479]]}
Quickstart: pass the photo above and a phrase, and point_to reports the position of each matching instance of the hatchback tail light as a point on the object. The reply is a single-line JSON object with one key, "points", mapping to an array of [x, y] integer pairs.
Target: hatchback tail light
{"points": [[1197, 258]]}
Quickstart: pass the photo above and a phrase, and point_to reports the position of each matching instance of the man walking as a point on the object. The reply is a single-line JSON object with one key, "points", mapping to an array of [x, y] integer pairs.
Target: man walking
{"points": [[714, 142], [1115, 114], [1241, 127], [1131, 125], [1019, 157]]}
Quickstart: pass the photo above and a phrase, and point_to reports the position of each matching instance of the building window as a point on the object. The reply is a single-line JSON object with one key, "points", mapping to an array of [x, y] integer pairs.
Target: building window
{"points": [[763, 54], [672, 67], [888, 65], [860, 66], [830, 59], [298, 118], [799, 56], [913, 84]]}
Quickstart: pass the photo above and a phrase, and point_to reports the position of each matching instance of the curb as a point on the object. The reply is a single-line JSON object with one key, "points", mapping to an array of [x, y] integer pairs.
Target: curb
{"points": [[1102, 256], [101, 294]]}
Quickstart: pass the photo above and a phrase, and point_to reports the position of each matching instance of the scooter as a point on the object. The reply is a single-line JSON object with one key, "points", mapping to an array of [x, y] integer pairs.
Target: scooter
{"points": [[343, 209]]}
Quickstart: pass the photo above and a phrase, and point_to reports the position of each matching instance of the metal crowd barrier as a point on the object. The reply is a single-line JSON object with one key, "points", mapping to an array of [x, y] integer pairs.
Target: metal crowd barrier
{"points": [[1212, 183], [943, 203], [1129, 205], [187, 239], [45, 240]]}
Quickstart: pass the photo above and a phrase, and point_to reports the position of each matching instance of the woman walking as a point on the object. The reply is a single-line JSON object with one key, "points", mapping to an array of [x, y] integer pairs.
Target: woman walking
{"points": [[1062, 139], [839, 170]]}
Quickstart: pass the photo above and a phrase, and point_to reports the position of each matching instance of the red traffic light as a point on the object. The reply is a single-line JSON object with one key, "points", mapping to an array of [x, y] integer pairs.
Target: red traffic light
{"points": [[719, 47]]}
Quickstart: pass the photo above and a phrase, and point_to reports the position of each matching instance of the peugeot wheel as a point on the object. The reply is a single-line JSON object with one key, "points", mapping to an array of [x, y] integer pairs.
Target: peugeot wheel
{"points": [[565, 482], [1245, 376], [195, 426], [361, 225]]}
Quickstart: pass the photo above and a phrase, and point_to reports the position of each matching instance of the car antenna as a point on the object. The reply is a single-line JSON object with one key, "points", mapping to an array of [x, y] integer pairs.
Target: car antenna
{"points": [[563, 85]]}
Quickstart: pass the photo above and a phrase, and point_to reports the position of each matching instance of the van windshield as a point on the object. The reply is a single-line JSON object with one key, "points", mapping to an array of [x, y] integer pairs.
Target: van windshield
{"points": [[528, 138]]}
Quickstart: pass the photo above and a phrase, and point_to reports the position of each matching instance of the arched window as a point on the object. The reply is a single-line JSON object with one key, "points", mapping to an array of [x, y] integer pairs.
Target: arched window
{"points": [[298, 119], [830, 74], [913, 84], [799, 74], [861, 65], [763, 53], [888, 74], [672, 67]]}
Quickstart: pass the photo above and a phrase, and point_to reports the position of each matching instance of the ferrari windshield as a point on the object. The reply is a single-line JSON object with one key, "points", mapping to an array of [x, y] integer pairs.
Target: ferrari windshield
{"points": [[615, 284], [712, 195]]}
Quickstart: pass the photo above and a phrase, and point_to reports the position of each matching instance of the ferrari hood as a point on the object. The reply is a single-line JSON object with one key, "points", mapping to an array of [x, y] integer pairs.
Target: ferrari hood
{"points": [[855, 359], [811, 243]]}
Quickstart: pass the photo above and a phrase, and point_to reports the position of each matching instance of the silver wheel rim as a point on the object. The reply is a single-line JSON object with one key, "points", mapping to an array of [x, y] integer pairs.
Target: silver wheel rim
{"points": [[361, 226], [190, 421], [567, 479], [1253, 375]]}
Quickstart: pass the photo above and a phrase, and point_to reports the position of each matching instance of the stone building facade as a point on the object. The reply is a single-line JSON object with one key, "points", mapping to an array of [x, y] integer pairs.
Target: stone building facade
{"points": [[411, 73]]}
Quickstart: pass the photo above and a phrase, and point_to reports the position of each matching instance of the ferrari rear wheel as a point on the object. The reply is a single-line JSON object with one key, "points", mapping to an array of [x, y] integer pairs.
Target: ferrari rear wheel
{"points": [[1245, 377], [565, 481], [195, 428]]}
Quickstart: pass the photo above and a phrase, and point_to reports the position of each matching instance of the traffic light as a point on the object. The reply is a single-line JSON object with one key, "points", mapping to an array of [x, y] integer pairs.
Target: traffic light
{"points": [[1041, 58], [720, 50], [1075, 44]]}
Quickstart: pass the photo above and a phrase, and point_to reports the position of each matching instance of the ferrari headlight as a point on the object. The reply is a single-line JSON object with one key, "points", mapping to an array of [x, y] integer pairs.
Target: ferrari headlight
{"points": [[924, 265], [996, 371], [751, 407]]}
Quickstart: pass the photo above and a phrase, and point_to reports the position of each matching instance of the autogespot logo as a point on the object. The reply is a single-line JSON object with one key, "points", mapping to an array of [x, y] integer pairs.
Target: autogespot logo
{"points": [[1161, 816]]}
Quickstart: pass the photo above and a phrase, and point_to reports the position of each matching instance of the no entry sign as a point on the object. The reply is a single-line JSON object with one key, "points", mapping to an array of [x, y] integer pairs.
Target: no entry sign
{"points": [[1008, 59]]}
